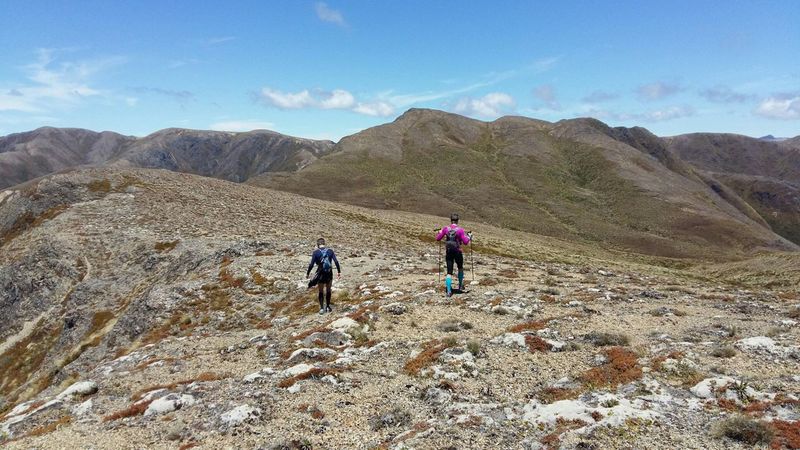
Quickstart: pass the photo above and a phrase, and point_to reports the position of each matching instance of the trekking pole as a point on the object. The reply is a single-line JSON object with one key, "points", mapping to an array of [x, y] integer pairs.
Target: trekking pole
{"points": [[438, 259], [471, 259]]}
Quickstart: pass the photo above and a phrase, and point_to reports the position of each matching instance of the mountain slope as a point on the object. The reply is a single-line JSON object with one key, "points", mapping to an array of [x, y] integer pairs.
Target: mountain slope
{"points": [[230, 156], [576, 179], [152, 309], [24, 156], [764, 174]]}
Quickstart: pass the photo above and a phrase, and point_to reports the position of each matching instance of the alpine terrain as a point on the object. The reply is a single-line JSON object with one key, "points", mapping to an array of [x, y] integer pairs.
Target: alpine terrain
{"points": [[623, 290]]}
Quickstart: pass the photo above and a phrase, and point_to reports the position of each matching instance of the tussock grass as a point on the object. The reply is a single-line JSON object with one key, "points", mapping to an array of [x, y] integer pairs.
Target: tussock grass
{"points": [[744, 429], [599, 339]]}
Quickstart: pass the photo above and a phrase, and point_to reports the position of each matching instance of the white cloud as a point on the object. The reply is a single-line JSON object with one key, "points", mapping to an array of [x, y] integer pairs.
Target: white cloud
{"points": [[670, 113], [287, 100], [131, 101], [657, 115], [490, 105], [780, 106], [241, 125], [51, 83], [318, 99], [378, 109], [657, 90], [338, 99], [326, 14]]}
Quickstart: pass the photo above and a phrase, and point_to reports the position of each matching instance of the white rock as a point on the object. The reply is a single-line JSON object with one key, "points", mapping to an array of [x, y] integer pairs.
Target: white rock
{"points": [[239, 415], [296, 370], [344, 323], [510, 339], [708, 387], [295, 388], [253, 377], [759, 343], [83, 408], [79, 388], [169, 403]]}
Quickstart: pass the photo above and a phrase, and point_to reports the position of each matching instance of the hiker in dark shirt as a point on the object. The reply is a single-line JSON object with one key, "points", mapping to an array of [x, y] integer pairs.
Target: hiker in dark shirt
{"points": [[323, 258]]}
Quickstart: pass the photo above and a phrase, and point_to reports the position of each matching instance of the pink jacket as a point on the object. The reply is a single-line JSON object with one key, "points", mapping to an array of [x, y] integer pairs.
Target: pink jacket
{"points": [[461, 235]]}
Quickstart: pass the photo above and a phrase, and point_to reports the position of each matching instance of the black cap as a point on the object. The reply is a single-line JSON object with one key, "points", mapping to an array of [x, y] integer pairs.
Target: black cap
{"points": [[320, 241], [454, 218]]}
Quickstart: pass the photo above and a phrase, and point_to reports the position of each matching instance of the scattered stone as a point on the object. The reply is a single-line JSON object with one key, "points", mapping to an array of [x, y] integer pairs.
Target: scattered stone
{"points": [[239, 415]]}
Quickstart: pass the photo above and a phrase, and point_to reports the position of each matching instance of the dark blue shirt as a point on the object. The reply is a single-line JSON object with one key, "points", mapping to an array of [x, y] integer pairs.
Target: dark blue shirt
{"points": [[316, 258]]}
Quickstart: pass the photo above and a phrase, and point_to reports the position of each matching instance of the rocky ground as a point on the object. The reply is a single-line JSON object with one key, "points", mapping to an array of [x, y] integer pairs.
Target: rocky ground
{"points": [[146, 309]]}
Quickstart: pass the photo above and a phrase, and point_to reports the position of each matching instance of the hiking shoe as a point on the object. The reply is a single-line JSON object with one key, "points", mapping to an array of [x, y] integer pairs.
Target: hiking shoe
{"points": [[328, 309], [321, 311]]}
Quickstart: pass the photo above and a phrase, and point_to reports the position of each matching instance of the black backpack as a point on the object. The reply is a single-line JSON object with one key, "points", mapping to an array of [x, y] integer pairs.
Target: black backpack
{"points": [[451, 240]]}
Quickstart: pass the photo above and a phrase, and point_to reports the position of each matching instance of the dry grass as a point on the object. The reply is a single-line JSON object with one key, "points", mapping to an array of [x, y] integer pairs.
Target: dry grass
{"points": [[787, 434], [554, 394], [723, 351], [28, 221], [606, 339], [136, 409], [536, 344], [744, 429], [166, 246], [49, 428], [622, 367], [430, 352], [533, 325], [203, 377], [315, 373]]}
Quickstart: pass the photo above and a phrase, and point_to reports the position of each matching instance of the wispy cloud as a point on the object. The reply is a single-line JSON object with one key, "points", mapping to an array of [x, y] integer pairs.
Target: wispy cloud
{"points": [[547, 95], [658, 90], [656, 115], [490, 105], [328, 14], [782, 106], [487, 80], [181, 96], [338, 99], [724, 94], [600, 97], [220, 40], [242, 125], [55, 83]]}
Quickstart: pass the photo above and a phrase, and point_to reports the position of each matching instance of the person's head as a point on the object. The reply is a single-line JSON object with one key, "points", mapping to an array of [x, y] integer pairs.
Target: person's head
{"points": [[454, 218], [320, 242]]}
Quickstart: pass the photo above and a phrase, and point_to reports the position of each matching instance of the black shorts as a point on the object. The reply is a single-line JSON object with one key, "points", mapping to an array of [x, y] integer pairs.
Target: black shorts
{"points": [[325, 277], [452, 256]]}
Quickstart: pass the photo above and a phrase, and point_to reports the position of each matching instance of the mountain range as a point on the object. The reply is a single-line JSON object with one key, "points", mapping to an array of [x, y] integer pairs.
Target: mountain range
{"points": [[623, 188]]}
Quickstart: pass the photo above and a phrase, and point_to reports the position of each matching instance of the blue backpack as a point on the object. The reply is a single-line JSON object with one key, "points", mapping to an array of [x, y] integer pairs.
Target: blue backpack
{"points": [[326, 261]]}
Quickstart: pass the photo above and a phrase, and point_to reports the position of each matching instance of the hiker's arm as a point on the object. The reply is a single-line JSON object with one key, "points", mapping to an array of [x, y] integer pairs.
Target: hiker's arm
{"points": [[441, 234], [336, 261], [311, 264], [464, 236]]}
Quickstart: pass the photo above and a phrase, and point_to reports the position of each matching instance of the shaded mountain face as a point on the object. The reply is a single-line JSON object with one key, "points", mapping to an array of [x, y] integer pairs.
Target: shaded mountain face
{"points": [[24, 156], [576, 179], [230, 156], [764, 174]]}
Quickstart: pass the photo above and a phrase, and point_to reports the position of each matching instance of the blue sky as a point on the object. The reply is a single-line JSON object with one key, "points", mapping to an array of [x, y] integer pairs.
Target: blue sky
{"points": [[329, 69]]}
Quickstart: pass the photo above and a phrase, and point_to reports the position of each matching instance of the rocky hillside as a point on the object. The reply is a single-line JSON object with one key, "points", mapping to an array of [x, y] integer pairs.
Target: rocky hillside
{"points": [[764, 174], [131, 320], [574, 179], [229, 156]]}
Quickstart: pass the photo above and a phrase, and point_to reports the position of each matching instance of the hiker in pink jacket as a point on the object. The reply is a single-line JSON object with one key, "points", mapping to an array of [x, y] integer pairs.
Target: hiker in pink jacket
{"points": [[454, 237]]}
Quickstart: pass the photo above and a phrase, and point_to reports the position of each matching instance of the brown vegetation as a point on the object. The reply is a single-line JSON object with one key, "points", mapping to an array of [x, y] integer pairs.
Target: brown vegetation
{"points": [[315, 373], [430, 351], [621, 367]]}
